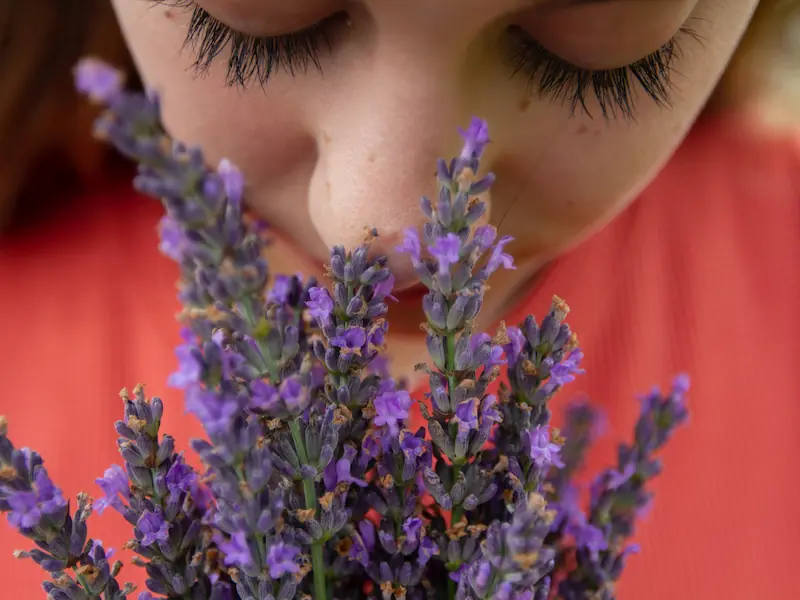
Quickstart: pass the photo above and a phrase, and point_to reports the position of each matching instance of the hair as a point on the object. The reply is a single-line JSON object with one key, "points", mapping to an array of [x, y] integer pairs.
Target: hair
{"points": [[41, 40]]}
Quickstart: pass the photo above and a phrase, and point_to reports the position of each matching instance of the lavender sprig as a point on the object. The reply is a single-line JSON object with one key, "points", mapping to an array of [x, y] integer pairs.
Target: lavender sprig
{"points": [[230, 341], [584, 423], [464, 362], [162, 497], [39, 511], [513, 563], [618, 498]]}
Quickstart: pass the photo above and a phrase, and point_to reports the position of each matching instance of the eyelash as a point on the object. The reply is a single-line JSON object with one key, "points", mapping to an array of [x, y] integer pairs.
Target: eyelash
{"points": [[252, 57], [259, 57], [550, 75]]}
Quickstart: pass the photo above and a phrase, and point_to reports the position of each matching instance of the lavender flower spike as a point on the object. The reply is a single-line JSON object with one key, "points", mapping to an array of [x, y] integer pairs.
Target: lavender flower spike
{"points": [[39, 511], [100, 82]]}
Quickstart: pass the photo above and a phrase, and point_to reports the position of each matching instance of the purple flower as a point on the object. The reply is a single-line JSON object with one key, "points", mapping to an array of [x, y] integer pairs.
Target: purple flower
{"points": [[350, 340], [446, 251], [482, 575], [114, 484], [215, 411], [484, 237], [544, 452], [97, 545], [236, 551], [681, 385], [320, 305], [412, 528], [281, 560], [48, 496], [477, 340], [427, 550], [467, 414], [97, 80], [567, 510], [391, 408], [367, 531], [456, 575], [263, 396], [189, 369], [377, 334], [565, 371], [231, 361], [294, 394], [617, 479], [340, 471], [383, 289], [279, 294], [515, 346], [591, 538], [495, 358], [499, 258], [24, 511], [232, 180], [172, 238], [411, 446], [478, 343], [476, 136], [411, 245], [153, 528], [180, 477], [363, 543], [489, 410]]}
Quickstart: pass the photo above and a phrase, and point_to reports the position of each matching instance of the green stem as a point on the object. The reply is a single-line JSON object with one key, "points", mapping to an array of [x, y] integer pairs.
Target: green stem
{"points": [[310, 494], [450, 363], [318, 571], [450, 367]]}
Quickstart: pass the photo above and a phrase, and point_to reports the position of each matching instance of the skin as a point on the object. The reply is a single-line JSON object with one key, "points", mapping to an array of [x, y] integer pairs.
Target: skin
{"points": [[327, 155]]}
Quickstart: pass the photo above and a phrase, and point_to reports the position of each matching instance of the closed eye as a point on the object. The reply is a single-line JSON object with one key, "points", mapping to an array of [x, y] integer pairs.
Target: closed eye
{"points": [[615, 90], [253, 57]]}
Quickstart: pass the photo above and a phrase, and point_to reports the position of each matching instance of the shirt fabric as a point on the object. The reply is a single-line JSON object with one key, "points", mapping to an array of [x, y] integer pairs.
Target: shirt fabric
{"points": [[700, 275]]}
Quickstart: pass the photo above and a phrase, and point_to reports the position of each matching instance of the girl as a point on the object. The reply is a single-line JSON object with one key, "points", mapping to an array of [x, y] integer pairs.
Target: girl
{"points": [[336, 111]]}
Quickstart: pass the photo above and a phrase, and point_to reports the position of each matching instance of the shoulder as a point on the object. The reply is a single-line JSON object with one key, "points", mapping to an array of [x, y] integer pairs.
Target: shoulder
{"points": [[732, 183], [734, 160]]}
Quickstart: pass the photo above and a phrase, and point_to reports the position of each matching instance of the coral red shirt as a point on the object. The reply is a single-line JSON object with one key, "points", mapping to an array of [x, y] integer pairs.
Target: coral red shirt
{"points": [[701, 274]]}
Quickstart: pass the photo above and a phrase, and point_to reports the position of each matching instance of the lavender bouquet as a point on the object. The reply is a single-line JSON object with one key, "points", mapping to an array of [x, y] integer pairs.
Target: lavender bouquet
{"points": [[315, 484]]}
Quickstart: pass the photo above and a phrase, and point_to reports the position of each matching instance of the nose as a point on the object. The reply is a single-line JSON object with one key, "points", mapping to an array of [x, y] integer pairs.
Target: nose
{"points": [[377, 152]]}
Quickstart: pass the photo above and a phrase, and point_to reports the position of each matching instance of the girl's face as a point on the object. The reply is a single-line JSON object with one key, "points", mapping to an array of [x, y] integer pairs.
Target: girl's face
{"points": [[336, 110]]}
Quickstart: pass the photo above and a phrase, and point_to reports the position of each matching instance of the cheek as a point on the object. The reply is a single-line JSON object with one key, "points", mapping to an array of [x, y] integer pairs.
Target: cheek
{"points": [[570, 177], [579, 175]]}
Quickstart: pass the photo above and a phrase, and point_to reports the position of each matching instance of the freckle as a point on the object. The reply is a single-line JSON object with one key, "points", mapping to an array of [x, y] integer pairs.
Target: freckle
{"points": [[371, 157], [524, 103], [326, 137], [328, 186]]}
